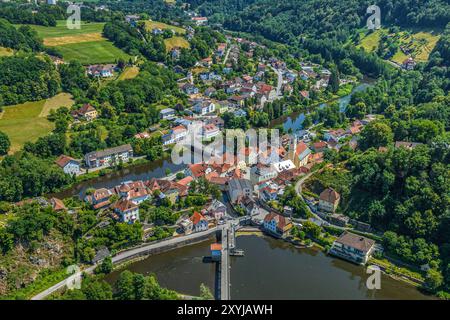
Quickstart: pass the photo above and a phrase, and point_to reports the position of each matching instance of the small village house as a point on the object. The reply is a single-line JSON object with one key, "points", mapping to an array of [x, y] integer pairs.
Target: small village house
{"points": [[353, 247], [167, 113], [86, 112], [329, 200], [127, 210], [68, 165], [199, 222], [277, 225]]}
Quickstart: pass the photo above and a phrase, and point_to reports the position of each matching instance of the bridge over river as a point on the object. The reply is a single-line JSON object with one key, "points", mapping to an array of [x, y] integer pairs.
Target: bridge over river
{"points": [[228, 237]]}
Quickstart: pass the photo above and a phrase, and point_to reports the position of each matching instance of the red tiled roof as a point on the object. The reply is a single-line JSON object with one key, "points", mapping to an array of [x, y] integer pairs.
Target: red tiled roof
{"points": [[124, 205], [197, 217], [329, 195], [57, 204], [185, 181], [280, 220], [301, 147], [63, 160]]}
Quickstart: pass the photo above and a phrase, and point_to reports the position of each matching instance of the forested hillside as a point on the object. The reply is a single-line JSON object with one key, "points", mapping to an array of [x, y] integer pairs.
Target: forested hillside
{"points": [[286, 20]]}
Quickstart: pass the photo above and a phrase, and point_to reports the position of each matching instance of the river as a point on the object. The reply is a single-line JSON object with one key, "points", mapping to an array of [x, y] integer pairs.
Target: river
{"points": [[294, 120], [270, 269], [146, 171]]}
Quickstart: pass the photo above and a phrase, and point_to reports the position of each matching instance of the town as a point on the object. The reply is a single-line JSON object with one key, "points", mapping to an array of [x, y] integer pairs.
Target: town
{"points": [[161, 127]]}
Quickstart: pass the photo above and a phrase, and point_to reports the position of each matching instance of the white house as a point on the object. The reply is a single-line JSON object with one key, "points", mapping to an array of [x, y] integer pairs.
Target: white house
{"points": [[127, 210], [68, 164], [204, 107]]}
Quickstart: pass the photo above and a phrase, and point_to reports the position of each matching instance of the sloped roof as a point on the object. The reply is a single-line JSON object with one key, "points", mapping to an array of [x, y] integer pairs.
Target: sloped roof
{"points": [[356, 241], [329, 195]]}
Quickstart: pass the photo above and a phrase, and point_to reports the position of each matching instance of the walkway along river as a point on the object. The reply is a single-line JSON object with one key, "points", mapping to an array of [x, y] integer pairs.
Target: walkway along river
{"points": [[270, 269]]}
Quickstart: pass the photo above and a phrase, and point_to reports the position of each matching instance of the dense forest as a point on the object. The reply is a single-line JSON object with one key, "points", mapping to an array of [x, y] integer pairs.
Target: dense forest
{"points": [[27, 78]]}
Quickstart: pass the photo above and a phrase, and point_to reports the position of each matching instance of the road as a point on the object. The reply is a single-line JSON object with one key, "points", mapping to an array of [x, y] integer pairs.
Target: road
{"points": [[279, 82], [226, 55], [123, 256], [224, 265]]}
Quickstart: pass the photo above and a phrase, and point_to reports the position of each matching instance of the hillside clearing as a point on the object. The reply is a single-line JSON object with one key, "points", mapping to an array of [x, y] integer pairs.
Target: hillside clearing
{"points": [[88, 37], [176, 42], [27, 121], [6, 52], [61, 29], [150, 25], [92, 52], [129, 73]]}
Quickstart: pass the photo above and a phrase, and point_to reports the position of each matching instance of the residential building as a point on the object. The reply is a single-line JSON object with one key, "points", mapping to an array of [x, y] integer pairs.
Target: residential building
{"points": [[210, 131], [204, 107], [199, 21], [409, 64], [186, 225], [127, 210], [239, 188], [189, 88], [249, 205], [199, 222], [57, 204], [68, 164], [329, 200], [99, 199], [86, 112], [134, 191], [109, 157], [260, 173], [353, 247], [339, 219], [216, 209], [176, 134], [277, 225], [283, 165], [167, 113], [320, 146], [300, 154], [103, 71]]}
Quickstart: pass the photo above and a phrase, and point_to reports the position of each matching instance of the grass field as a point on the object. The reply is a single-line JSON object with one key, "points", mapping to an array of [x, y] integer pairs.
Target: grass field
{"points": [[150, 25], [176, 42], [27, 121], [129, 73], [85, 44], [371, 41], [92, 52], [61, 29], [6, 52]]}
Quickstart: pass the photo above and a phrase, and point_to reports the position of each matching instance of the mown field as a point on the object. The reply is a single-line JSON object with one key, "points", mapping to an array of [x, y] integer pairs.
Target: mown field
{"points": [[150, 25], [92, 52], [176, 42], [86, 44], [419, 43], [5, 52], [129, 73], [27, 121]]}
